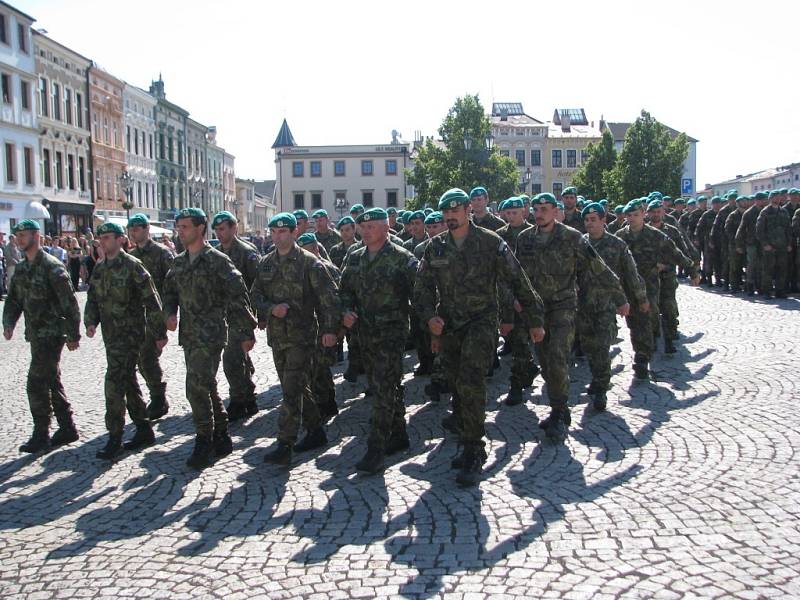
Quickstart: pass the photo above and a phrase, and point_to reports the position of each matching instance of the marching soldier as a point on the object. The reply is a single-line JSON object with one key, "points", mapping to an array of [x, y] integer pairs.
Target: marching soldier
{"points": [[747, 244], [572, 215], [325, 235], [479, 200], [774, 233]]}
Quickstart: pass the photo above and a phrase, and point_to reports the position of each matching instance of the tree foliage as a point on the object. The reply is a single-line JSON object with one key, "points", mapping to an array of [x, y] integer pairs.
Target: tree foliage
{"points": [[591, 177]]}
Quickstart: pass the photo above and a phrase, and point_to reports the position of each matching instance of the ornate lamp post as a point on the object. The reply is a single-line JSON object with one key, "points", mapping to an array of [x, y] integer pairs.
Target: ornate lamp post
{"points": [[126, 181], [341, 205]]}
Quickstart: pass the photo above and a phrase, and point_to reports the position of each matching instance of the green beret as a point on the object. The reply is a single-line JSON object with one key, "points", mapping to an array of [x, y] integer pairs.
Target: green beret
{"points": [[478, 191], [666, 199], [502, 205], [190, 213], [300, 214], [391, 210], [110, 228], [655, 203], [761, 195], [732, 193], [679, 201], [544, 198], [320, 213], [452, 198], [691, 202], [593, 207], [428, 210], [357, 208], [570, 190], [434, 217], [526, 200], [27, 225], [139, 219], [618, 209], [701, 199], [793, 191], [716, 200], [774, 193], [604, 202], [632, 206], [306, 239], [743, 198], [515, 202], [222, 216], [784, 191], [375, 214], [417, 214], [345, 221], [283, 219], [655, 194], [559, 205], [581, 203], [401, 217]]}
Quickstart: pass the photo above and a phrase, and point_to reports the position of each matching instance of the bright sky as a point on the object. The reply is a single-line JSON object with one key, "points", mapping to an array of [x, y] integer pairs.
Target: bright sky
{"points": [[350, 72]]}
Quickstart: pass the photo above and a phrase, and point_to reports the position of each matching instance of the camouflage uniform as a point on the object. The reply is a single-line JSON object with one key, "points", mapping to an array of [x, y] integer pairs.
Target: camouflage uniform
{"points": [[597, 305], [300, 280], [460, 286], [793, 259], [774, 228], [667, 300], [328, 240], [735, 258], [489, 221], [702, 236], [747, 241], [378, 289], [615, 226], [41, 290], [575, 220], [124, 302], [420, 335], [236, 363], [796, 233], [720, 238], [322, 387], [157, 259], [214, 308]]}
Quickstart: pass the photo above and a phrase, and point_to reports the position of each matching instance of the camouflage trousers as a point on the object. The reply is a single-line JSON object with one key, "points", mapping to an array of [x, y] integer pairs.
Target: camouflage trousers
{"points": [[736, 262], [208, 413], [45, 392], [554, 354], [774, 267], [383, 363], [521, 355], [238, 369], [422, 341], [292, 365], [353, 352], [668, 306], [724, 260], [641, 328], [321, 384], [753, 271], [598, 331], [150, 369], [467, 353], [122, 388]]}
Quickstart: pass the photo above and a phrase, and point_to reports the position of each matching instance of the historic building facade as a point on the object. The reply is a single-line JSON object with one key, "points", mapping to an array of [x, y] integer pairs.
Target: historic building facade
{"points": [[140, 150]]}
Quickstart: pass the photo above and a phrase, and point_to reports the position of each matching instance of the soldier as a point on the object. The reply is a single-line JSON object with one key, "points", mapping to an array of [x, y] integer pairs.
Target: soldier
{"points": [[41, 290], [774, 233], [236, 364], [523, 369], [618, 222], [735, 258], [293, 294], [747, 244], [553, 256], [393, 224], [325, 235], [479, 199], [124, 302], [598, 307], [214, 310], [796, 233], [302, 222], [572, 215], [791, 207], [377, 284], [719, 237], [347, 230], [157, 259], [456, 295], [415, 222], [653, 251]]}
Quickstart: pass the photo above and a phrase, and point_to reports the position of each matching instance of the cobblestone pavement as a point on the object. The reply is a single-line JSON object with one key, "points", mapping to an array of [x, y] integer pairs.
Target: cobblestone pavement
{"points": [[687, 486]]}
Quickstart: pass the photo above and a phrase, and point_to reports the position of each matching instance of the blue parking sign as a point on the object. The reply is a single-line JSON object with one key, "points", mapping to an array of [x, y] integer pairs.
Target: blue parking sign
{"points": [[686, 186]]}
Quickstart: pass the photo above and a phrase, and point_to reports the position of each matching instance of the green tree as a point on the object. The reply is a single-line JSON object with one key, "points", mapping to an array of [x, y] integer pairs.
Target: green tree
{"points": [[439, 166], [649, 160], [589, 178]]}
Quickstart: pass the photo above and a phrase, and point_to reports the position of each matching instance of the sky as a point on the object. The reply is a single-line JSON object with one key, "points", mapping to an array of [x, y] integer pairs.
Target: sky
{"points": [[350, 72]]}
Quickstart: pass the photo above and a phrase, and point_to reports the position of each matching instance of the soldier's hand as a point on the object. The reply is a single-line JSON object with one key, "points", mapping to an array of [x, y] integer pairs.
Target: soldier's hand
{"points": [[644, 307], [517, 306], [71, 346], [537, 334], [171, 322], [505, 328], [624, 310], [436, 325], [91, 330], [696, 279], [436, 345], [280, 310], [329, 340], [349, 319], [8, 333], [247, 345], [159, 343]]}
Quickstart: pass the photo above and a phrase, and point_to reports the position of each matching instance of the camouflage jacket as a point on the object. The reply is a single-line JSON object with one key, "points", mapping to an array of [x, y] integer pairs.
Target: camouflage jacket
{"points": [[674, 234], [124, 302], [338, 252], [489, 221], [303, 282], [615, 226], [212, 298], [554, 262], [774, 227], [157, 259], [670, 220], [683, 221], [412, 243], [460, 284], [702, 232], [328, 239], [718, 228], [42, 290], [796, 223], [244, 257], [379, 290], [746, 234], [509, 233], [732, 227], [617, 256], [575, 220], [691, 223]]}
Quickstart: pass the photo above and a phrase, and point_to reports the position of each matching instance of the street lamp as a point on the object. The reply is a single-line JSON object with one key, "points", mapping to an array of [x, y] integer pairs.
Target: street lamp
{"points": [[526, 179], [341, 204], [489, 142], [126, 181], [467, 141]]}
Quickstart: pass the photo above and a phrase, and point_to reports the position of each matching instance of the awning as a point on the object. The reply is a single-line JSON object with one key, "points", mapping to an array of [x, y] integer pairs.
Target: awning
{"points": [[36, 210]]}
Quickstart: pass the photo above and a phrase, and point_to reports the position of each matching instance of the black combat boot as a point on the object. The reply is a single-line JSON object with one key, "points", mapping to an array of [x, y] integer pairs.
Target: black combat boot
{"points": [[669, 346], [236, 411], [514, 396], [451, 423], [352, 373], [372, 462], [158, 407], [458, 461], [40, 438], [328, 407], [112, 448], [533, 373], [250, 407], [557, 424], [280, 455], [434, 391], [750, 289], [599, 400], [66, 432], [424, 368], [640, 368], [223, 444], [591, 389], [495, 366], [398, 441], [314, 438], [143, 437], [471, 466], [202, 454]]}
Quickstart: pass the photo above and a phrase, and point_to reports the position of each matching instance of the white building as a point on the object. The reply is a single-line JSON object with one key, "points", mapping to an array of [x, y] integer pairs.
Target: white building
{"points": [[228, 182], [787, 176], [337, 177], [20, 190], [140, 153]]}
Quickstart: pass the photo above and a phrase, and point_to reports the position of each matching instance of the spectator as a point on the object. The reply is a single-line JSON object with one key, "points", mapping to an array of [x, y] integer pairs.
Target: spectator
{"points": [[74, 255], [58, 251], [12, 254]]}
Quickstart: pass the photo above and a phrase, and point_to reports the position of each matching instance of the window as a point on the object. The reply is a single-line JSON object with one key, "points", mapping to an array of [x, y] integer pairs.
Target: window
{"points": [[3, 29], [161, 151], [299, 200], [139, 193], [117, 143], [536, 158], [504, 131], [338, 168], [391, 167], [520, 158], [536, 188], [503, 152], [56, 91], [46, 167], [316, 200], [135, 141], [366, 167], [520, 132], [557, 187], [59, 171], [572, 159], [44, 108], [128, 138], [28, 155], [584, 156], [316, 168], [25, 94], [297, 168], [171, 150], [105, 131], [366, 199], [70, 171], [81, 180], [68, 105], [391, 198], [11, 171], [22, 34], [556, 160], [6, 83]]}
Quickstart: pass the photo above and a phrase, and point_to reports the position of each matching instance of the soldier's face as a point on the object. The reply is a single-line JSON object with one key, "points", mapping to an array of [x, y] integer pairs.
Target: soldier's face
{"points": [[544, 213], [302, 225], [516, 216], [138, 234], [636, 218], [415, 227], [188, 232], [111, 243], [479, 203], [435, 228], [348, 232], [595, 224], [282, 237], [392, 220], [569, 200], [656, 215], [26, 239], [321, 223], [225, 232], [456, 217], [373, 232]]}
